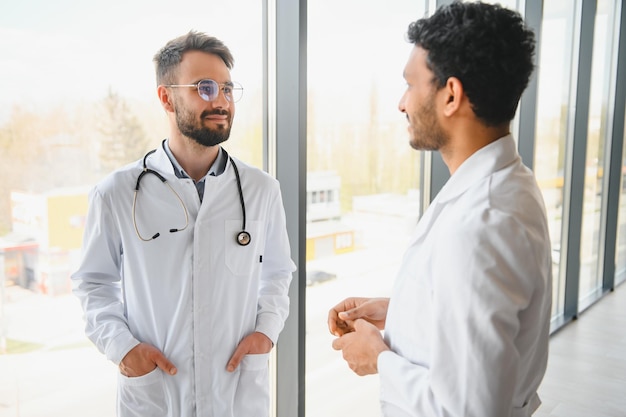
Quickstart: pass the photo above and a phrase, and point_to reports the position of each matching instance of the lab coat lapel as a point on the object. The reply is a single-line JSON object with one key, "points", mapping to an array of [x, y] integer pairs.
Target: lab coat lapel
{"points": [[481, 164], [427, 220]]}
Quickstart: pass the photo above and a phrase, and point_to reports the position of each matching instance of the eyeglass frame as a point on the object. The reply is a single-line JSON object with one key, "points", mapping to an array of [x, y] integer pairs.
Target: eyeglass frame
{"points": [[233, 84]]}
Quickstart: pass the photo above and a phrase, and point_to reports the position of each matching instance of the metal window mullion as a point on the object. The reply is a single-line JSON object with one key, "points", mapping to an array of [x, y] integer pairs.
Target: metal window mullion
{"points": [[269, 85], [435, 173], [527, 117], [575, 157], [286, 72], [614, 149]]}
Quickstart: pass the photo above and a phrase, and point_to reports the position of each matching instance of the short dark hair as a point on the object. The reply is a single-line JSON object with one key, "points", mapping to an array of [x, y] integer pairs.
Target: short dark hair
{"points": [[487, 47], [168, 58]]}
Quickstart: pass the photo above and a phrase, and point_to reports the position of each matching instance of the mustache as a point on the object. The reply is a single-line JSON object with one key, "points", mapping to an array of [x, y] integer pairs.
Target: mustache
{"points": [[219, 112]]}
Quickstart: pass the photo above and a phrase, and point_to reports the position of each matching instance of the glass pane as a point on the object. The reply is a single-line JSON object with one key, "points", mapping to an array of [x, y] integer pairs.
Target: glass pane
{"points": [[590, 277], [98, 111], [554, 75], [363, 200]]}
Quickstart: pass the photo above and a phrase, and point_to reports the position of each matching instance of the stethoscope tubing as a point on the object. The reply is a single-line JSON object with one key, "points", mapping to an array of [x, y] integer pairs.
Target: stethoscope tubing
{"points": [[243, 238]]}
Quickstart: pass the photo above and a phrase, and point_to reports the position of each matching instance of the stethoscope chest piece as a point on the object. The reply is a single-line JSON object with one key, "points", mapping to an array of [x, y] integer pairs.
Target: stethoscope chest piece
{"points": [[243, 238]]}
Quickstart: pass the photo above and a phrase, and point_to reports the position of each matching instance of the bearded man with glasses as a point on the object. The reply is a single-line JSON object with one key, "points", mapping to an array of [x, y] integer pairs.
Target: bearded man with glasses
{"points": [[189, 316]]}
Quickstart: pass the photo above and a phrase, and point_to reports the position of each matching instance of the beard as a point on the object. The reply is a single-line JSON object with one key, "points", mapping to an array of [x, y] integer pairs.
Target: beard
{"points": [[426, 131], [195, 130]]}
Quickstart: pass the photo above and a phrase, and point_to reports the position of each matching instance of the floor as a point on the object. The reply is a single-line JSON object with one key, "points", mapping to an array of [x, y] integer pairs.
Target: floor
{"points": [[586, 374]]}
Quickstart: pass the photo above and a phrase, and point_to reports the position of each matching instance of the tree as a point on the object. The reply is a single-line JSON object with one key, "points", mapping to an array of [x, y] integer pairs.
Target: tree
{"points": [[21, 153], [123, 138]]}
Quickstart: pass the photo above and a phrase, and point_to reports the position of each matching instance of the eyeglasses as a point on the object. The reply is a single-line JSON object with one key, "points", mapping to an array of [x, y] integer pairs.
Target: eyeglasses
{"points": [[208, 89]]}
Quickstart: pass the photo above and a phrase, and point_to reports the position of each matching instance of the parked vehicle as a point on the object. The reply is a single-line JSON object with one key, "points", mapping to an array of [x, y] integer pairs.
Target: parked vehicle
{"points": [[317, 277]]}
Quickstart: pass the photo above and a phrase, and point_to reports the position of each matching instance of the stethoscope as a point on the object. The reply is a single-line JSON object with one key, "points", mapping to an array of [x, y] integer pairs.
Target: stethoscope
{"points": [[243, 238]]}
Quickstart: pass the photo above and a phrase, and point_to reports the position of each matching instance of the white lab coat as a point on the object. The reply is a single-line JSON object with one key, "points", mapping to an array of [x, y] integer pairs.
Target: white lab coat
{"points": [[468, 318], [193, 294]]}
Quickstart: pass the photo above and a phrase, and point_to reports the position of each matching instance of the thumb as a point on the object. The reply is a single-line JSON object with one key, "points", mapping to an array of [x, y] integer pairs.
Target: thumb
{"points": [[234, 361], [338, 343], [165, 365], [350, 314], [360, 325]]}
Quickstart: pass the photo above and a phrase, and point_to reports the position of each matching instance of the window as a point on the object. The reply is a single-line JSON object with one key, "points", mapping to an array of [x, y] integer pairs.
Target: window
{"points": [[77, 69], [367, 176], [554, 77], [362, 185], [598, 134]]}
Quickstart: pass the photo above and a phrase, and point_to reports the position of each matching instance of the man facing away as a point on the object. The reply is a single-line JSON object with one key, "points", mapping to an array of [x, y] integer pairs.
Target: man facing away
{"points": [[466, 328], [186, 262]]}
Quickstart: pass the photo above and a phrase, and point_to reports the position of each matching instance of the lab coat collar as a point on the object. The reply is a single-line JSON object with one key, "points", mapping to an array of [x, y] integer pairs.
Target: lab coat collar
{"points": [[480, 164], [160, 162], [216, 169]]}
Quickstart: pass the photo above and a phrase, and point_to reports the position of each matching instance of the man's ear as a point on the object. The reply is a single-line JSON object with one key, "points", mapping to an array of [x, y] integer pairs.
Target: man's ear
{"points": [[165, 98], [454, 96]]}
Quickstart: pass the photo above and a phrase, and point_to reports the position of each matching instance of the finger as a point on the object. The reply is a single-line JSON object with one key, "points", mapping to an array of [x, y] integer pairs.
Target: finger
{"points": [[332, 323], [341, 328], [360, 324], [365, 327], [337, 326], [166, 366], [338, 344], [238, 355], [351, 314]]}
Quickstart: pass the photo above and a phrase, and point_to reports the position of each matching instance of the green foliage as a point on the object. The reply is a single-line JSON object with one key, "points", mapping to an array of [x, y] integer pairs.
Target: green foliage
{"points": [[122, 137], [58, 147], [371, 158], [66, 146]]}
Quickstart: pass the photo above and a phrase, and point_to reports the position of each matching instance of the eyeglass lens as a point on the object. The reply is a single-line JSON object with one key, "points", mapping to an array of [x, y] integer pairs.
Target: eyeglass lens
{"points": [[209, 90]]}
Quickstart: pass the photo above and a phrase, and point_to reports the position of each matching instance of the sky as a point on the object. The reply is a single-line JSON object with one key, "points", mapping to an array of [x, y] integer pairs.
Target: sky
{"points": [[75, 50], [72, 50]]}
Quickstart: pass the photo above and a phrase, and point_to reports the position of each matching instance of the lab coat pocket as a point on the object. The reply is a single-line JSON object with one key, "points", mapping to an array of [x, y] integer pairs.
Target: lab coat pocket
{"points": [[242, 260], [252, 398], [255, 362], [528, 408], [143, 395]]}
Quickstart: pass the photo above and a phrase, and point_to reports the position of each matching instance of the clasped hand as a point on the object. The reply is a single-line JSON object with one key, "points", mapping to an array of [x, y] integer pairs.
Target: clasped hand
{"points": [[357, 323]]}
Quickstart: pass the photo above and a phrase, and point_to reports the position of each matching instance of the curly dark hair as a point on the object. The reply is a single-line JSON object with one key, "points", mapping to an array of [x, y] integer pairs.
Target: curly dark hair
{"points": [[168, 58], [487, 47]]}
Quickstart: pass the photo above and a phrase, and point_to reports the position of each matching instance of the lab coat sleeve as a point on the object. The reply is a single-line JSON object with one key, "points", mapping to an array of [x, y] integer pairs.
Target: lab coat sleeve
{"points": [[481, 280], [276, 275], [97, 282]]}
